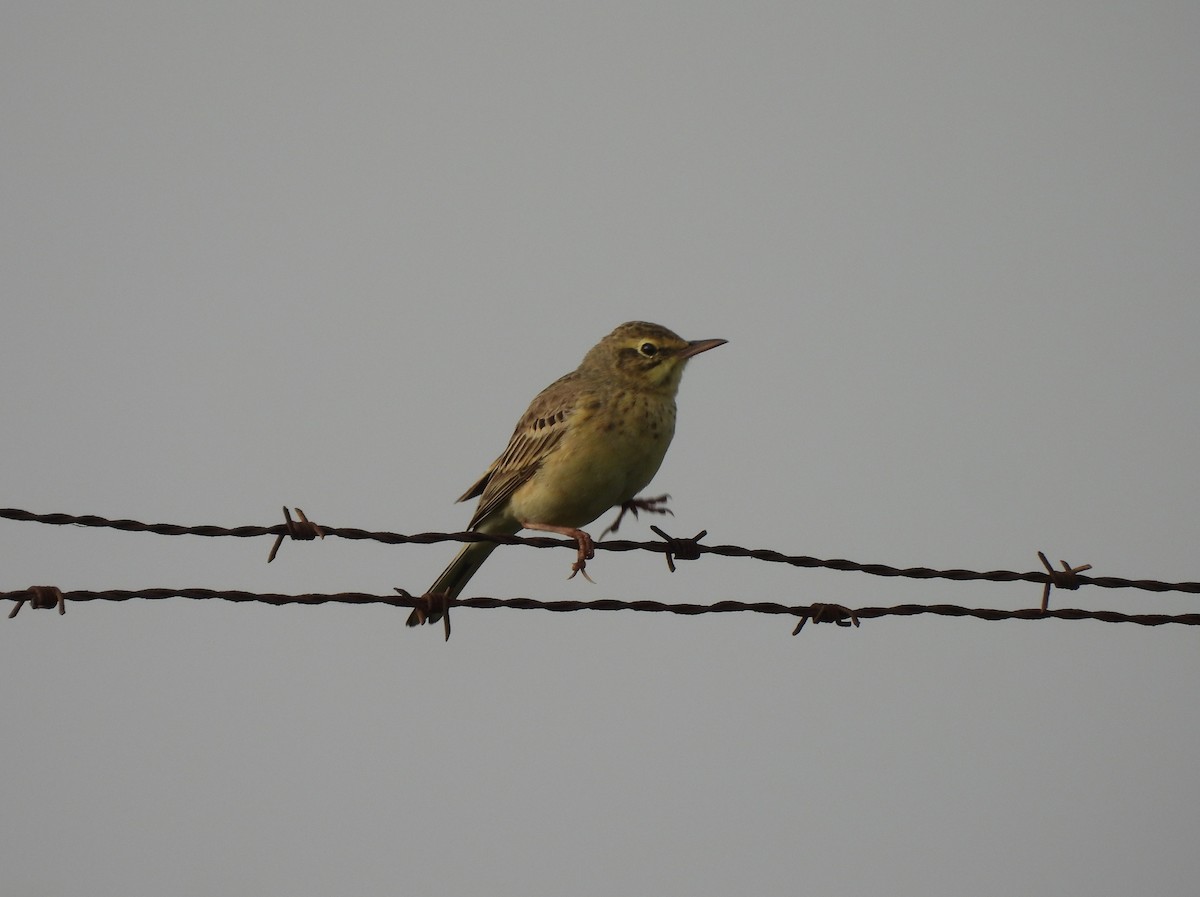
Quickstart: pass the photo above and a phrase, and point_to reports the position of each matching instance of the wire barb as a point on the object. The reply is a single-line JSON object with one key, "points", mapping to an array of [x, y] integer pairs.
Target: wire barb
{"points": [[682, 549], [41, 598], [1066, 578], [427, 605], [303, 530], [828, 613]]}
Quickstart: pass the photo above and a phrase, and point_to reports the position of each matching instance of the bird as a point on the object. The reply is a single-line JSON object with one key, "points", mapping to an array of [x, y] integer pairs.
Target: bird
{"points": [[590, 441]]}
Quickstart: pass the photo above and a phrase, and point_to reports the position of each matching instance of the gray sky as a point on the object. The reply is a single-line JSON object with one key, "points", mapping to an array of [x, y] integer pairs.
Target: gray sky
{"points": [[269, 254]]}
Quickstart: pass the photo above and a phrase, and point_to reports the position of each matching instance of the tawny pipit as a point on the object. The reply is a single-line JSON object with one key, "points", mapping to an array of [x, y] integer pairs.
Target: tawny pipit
{"points": [[589, 441]]}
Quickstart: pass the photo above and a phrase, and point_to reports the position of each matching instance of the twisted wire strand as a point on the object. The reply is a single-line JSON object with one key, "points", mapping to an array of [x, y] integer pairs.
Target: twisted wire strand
{"points": [[815, 612], [679, 548]]}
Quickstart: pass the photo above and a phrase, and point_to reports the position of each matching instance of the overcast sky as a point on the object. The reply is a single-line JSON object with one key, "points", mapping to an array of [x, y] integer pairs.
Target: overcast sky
{"points": [[324, 255]]}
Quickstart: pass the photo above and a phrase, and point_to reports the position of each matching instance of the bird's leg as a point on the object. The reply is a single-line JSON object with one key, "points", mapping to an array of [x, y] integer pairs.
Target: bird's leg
{"points": [[655, 505], [586, 551]]}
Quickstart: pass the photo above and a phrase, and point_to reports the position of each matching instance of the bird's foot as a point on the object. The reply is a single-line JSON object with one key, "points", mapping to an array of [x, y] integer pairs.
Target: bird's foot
{"points": [[587, 549], [656, 505]]}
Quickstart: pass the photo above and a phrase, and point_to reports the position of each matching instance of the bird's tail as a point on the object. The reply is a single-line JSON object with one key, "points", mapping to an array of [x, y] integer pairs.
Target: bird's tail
{"points": [[455, 577]]}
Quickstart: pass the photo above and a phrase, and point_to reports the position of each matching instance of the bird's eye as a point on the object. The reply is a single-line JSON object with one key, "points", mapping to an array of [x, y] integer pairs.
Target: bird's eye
{"points": [[648, 349]]}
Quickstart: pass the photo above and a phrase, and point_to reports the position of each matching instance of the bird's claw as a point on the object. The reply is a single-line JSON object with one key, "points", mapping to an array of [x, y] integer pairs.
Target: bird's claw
{"points": [[654, 505], [580, 567], [587, 551]]}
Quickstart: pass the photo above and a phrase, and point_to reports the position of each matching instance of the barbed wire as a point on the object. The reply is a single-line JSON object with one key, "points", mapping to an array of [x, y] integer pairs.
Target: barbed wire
{"points": [[47, 596], [674, 548], [1069, 577]]}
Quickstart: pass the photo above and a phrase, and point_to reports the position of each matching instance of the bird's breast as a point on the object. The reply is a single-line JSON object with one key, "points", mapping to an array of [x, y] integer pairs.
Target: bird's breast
{"points": [[610, 452]]}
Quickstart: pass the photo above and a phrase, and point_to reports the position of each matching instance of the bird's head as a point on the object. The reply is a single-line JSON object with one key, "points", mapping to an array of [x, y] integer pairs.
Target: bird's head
{"points": [[645, 356]]}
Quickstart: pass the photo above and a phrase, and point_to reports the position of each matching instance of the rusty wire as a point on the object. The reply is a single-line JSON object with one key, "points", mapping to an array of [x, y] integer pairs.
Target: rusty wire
{"points": [[1069, 577], [816, 613], [673, 548]]}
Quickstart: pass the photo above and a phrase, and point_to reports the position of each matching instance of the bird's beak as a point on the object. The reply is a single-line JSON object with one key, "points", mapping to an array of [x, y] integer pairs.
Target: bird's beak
{"points": [[696, 346]]}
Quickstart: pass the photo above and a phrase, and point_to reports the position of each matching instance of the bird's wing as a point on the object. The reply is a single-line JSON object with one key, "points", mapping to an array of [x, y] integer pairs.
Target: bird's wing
{"points": [[535, 437]]}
